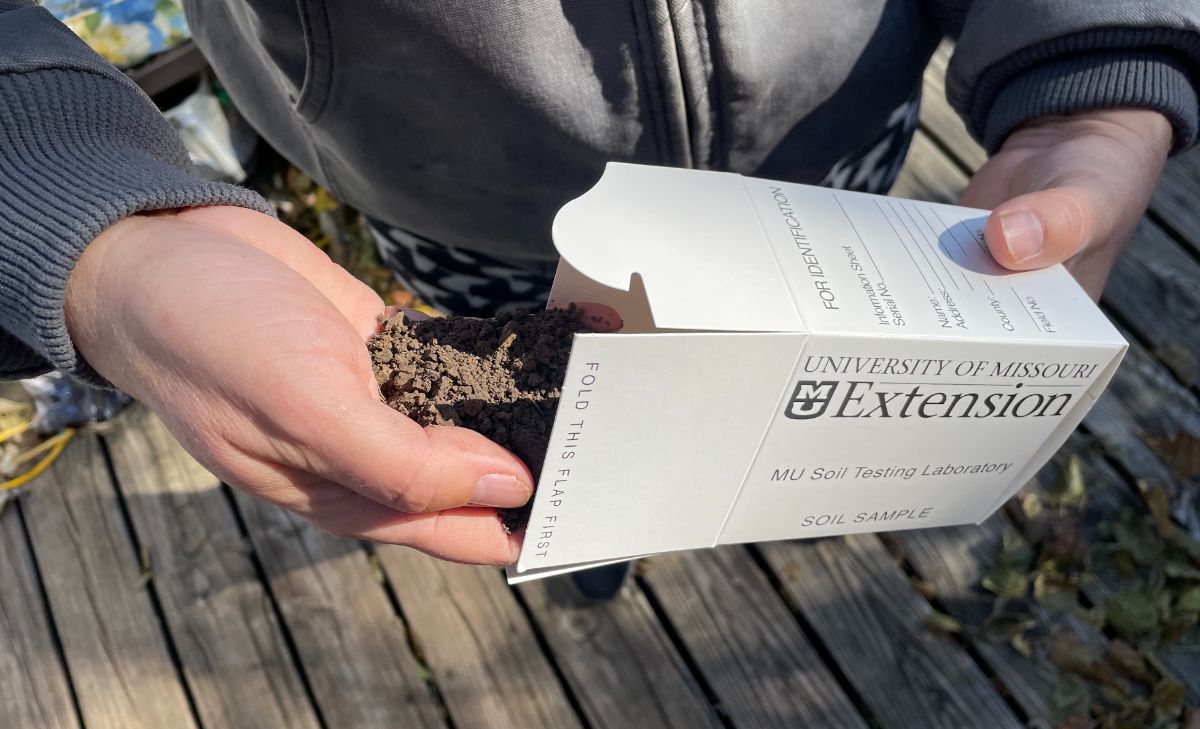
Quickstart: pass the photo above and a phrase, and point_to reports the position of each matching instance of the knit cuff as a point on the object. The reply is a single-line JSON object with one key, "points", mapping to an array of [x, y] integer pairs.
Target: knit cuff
{"points": [[1098, 80], [79, 151]]}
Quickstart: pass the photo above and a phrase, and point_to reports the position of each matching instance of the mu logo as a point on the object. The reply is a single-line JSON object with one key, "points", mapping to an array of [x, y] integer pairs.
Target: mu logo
{"points": [[810, 399]]}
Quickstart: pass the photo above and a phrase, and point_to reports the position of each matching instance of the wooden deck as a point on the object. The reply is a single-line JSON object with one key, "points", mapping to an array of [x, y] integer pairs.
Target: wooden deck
{"points": [[137, 591]]}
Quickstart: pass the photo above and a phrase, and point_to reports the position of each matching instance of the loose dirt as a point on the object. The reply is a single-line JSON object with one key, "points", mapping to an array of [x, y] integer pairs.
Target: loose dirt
{"points": [[501, 377]]}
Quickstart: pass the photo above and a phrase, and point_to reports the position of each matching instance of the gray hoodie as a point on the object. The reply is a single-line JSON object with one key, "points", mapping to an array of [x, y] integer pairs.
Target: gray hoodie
{"points": [[469, 122]]}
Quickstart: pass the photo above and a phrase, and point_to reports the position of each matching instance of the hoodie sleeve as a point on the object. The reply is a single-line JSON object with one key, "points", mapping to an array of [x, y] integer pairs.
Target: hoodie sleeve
{"points": [[1018, 60], [81, 147]]}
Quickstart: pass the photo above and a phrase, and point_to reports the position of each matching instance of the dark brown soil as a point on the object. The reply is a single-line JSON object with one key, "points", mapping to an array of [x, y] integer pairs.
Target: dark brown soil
{"points": [[500, 377]]}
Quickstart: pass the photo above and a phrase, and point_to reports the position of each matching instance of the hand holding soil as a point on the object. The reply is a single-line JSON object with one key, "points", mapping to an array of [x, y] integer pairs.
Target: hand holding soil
{"points": [[501, 377], [249, 343]]}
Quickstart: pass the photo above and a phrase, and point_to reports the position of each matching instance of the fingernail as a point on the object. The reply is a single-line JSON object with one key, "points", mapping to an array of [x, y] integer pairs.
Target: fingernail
{"points": [[1023, 234], [599, 317], [514, 548], [501, 491]]}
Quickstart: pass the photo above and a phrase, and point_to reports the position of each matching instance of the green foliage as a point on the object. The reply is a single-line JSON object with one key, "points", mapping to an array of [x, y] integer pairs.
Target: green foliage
{"points": [[1134, 578]]}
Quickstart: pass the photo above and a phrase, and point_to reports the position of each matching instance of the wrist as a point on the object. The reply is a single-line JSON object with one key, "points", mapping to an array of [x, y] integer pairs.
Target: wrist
{"points": [[100, 287], [1145, 131]]}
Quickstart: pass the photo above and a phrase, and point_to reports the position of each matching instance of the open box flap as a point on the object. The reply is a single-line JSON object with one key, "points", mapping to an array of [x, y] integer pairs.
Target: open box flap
{"points": [[692, 238]]}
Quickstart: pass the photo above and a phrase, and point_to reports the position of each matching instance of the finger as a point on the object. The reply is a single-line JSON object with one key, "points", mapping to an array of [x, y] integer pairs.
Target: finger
{"points": [[598, 317], [375, 451], [1044, 228], [472, 535]]}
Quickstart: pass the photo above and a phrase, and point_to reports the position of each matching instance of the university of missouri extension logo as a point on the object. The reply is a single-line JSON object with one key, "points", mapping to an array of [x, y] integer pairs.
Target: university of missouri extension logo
{"points": [[810, 399], [867, 399]]}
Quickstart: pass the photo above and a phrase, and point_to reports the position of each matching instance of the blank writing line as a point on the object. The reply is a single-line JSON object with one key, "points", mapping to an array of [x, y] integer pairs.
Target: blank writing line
{"points": [[904, 246], [938, 238], [908, 211], [1026, 308], [920, 248], [859, 236]]}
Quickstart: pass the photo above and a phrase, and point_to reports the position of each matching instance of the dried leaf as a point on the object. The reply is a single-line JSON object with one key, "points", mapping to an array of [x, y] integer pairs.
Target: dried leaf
{"points": [[943, 623], [1180, 451], [1071, 698], [1168, 696], [1124, 565], [925, 588], [1159, 505], [1181, 571], [1092, 616], [323, 202], [1021, 645], [1006, 581], [1003, 627], [1189, 600], [1064, 546], [1125, 658], [1178, 625], [1071, 655], [1069, 491], [1191, 718], [1077, 722], [376, 566], [1031, 506], [146, 562], [1054, 591], [1137, 715], [1010, 575], [1180, 360], [1138, 537], [1183, 541], [1133, 614]]}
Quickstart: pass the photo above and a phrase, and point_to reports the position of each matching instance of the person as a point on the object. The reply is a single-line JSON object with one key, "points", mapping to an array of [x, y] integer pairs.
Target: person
{"points": [[460, 127]]}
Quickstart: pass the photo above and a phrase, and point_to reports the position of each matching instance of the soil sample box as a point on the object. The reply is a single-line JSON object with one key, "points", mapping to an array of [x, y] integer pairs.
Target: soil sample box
{"points": [[795, 362]]}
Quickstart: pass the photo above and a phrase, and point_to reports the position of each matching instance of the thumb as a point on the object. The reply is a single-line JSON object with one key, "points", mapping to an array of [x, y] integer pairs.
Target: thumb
{"points": [[1043, 228], [377, 452]]}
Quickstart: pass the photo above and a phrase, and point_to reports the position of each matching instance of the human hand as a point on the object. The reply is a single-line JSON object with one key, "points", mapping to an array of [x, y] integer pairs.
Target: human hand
{"points": [[249, 343], [1071, 189]]}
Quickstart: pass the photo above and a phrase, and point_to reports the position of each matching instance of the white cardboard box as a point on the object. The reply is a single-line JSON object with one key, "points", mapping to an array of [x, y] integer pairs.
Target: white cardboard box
{"points": [[796, 362]]}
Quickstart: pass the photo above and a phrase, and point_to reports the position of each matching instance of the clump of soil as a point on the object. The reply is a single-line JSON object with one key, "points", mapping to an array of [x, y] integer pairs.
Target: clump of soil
{"points": [[501, 377]]}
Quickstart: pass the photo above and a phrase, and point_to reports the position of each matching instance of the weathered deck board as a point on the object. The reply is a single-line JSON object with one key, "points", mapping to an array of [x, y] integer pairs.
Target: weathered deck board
{"points": [[867, 613], [942, 121], [1175, 198], [618, 660], [118, 659], [746, 642], [953, 559], [1104, 501], [477, 643], [1155, 287], [1144, 402], [231, 646], [353, 646], [34, 689]]}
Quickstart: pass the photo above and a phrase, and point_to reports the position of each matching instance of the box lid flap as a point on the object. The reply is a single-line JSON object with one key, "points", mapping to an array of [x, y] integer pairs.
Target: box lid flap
{"points": [[657, 222], [721, 252]]}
